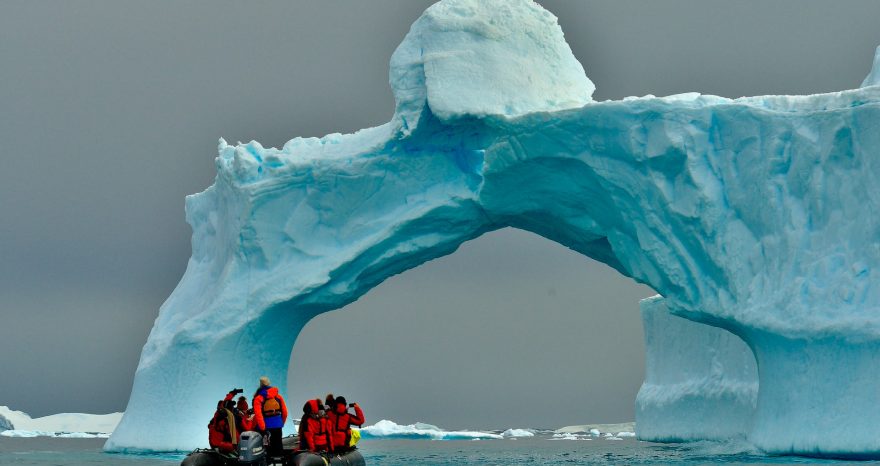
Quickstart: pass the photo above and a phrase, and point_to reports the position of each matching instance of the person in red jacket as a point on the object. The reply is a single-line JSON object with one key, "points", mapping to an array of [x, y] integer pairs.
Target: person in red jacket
{"points": [[328, 402], [341, 421], [222, 434], [314, 429], [270, 414], [238, 414], [245, 415]]}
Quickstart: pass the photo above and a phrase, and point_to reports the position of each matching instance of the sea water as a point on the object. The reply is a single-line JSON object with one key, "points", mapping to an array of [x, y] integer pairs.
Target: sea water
{"points": [[542, 449]]}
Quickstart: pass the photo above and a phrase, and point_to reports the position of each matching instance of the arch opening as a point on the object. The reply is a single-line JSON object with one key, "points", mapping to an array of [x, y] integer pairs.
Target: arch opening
{"points": [[557, 342]]}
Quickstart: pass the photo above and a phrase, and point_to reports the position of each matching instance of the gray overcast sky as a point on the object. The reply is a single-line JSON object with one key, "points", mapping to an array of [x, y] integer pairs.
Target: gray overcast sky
{"points": [[110, 111]]}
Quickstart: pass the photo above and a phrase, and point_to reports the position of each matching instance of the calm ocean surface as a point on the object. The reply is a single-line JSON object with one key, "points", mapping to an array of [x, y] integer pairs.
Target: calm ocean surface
{"points": [[539, 450]]}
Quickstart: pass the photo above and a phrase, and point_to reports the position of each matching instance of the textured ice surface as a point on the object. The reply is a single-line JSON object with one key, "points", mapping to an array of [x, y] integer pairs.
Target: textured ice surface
{"points": [[512, 55], [700, 383], [754, 214]]}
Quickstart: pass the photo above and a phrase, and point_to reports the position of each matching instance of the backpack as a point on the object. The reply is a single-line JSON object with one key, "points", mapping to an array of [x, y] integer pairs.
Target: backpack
{"points": [[271, 407]]}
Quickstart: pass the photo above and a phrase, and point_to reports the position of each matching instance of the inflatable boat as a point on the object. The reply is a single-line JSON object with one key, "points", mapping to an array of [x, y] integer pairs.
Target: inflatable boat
{"points": [[251, 452]]}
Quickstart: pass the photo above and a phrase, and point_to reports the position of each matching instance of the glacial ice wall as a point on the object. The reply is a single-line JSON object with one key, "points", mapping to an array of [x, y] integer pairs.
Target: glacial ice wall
{"points": [[754, 214], [701, 382]]}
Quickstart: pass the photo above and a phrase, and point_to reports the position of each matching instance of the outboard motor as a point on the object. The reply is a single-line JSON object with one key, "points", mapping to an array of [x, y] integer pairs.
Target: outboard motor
{"points": [[251, 450]]}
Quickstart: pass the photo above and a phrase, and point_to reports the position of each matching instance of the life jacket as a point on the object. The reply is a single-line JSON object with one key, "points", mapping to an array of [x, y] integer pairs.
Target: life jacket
{"points": [[271, 407]]}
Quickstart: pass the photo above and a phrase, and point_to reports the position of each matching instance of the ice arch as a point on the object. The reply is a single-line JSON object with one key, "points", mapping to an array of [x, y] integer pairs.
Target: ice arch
{"points": [[752, 214]]}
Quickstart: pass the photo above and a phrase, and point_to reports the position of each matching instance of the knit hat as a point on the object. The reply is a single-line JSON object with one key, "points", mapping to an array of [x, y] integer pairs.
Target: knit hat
{"points": [[264, 381]]}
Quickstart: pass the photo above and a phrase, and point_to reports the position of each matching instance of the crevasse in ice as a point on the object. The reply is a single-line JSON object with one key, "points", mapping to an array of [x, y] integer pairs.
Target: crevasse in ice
{"points": [[757, 215]]}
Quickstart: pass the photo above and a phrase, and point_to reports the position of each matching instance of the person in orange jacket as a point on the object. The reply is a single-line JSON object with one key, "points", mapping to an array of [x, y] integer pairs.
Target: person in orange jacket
{"points": [[222, 434], [270, 414], [341, 421], [314, 428]]}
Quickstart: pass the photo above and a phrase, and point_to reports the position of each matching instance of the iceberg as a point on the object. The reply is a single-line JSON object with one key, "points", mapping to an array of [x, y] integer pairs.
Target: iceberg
{"points": [[754, 215], [390, 429], [56, 434], [69, 425], [570, 436], [517, 433], [590, 431], [597, 429], [701, 382]]}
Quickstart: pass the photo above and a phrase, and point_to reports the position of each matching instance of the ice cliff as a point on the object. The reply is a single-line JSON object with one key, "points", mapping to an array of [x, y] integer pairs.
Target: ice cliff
{"points": [[756, 215], [701, 382]]}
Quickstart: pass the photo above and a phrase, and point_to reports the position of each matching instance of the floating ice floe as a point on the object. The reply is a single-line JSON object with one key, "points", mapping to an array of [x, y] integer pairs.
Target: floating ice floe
{"points": [[419, 430], [590, 431], [570, 436]]}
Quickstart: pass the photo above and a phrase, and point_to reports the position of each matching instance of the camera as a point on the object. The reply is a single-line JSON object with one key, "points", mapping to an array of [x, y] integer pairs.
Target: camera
{"points": [[351, 405]]}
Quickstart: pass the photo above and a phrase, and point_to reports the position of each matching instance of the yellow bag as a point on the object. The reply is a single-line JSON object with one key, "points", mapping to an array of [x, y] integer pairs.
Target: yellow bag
{"points": [[271, 407], [355, 437]]}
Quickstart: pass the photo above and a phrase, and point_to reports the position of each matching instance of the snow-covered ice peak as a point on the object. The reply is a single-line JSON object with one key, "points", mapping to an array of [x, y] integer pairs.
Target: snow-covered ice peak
{"points": [[873, 77], [485, 57], [754, 214]]}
